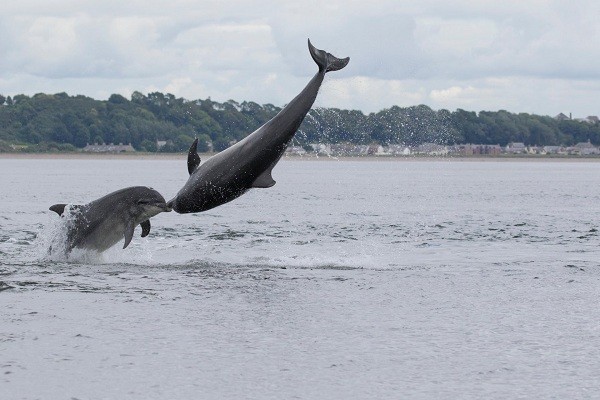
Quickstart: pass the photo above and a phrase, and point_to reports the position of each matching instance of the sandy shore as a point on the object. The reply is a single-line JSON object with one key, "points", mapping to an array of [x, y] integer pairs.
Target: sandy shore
{"points": [[205, 156]]}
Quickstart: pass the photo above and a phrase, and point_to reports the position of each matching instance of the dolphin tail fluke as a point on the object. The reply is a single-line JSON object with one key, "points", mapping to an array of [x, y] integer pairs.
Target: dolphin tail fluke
{"points": [[326, 61]]}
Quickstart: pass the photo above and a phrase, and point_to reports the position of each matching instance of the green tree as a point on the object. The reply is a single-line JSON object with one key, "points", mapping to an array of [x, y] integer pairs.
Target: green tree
{"points": [[204, 143], [117, 99], [148, 145], [220, 144]]}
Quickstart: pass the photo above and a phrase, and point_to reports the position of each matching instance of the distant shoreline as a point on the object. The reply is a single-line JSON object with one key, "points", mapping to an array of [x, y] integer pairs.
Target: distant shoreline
{"points": [[205, 156]]}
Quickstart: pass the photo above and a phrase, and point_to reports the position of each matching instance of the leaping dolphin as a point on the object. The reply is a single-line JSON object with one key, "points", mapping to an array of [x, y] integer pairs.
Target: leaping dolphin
{"points": [[101, 223], [249, 163]]}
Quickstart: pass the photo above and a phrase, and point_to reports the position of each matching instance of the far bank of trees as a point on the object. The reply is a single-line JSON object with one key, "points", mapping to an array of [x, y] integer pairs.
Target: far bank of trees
{"points": [[55, 122]]}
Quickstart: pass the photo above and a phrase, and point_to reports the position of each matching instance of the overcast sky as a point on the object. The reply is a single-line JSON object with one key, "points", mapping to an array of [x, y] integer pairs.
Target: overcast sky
{"points": [[535, 56]]}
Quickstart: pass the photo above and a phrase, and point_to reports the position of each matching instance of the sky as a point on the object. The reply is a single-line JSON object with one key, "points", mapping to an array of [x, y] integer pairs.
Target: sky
{"points": [[533, 56]]}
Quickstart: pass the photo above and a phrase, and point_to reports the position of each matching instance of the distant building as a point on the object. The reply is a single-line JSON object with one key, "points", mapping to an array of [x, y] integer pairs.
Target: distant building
{"points": [[160, 144], [538, 150], [461, 149], [486, 149], [295, 150], [109, 148], [586, 149], [431, 149], [382, 151], [398, 150], [376, 150], [349, 149], [321, 148], [590, 119], [475, 149], [516, 148], [553, 150]]}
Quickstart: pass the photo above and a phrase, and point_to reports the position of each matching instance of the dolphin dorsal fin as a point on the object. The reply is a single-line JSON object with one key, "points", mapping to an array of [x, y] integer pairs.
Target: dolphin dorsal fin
{"points": [[264, 180], [58, 208], [145, 228], [128, 233], [193, 157]]}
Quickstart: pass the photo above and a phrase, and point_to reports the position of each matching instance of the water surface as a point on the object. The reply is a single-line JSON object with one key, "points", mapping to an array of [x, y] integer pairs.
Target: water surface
{"points": [[347, 279]]}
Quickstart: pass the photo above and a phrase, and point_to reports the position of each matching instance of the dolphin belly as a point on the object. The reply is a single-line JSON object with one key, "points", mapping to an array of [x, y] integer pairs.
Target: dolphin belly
{"points": [[207, 195], [102, 237]]}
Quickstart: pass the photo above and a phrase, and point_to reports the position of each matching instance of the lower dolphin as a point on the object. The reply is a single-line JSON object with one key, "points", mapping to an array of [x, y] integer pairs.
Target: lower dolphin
{"points": [[101, 223]]}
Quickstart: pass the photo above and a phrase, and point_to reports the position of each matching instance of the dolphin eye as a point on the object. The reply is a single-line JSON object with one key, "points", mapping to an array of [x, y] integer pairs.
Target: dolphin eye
{"points": [[143, 201]]}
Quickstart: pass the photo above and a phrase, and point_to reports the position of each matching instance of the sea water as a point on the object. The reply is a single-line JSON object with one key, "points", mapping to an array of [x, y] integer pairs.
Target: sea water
{"points": [[347, 279]]}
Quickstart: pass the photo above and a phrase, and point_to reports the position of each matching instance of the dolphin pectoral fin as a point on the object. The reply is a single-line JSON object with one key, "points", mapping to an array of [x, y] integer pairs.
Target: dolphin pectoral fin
{"points": [[265, 180], [326, 61], [58, 208], [193, 157], [145, 228], [128, 233]]}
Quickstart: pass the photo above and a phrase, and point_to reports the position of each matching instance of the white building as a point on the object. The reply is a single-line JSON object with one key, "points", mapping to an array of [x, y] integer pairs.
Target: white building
{"points": [[109, 148]]}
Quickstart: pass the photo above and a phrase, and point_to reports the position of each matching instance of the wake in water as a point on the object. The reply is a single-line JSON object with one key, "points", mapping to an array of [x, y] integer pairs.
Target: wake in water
{"points": [[191, 250]]}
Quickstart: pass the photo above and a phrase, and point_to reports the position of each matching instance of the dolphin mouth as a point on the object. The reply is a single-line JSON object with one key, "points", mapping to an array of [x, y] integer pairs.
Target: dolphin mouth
{"points": [[169, 205], [161, 205]]}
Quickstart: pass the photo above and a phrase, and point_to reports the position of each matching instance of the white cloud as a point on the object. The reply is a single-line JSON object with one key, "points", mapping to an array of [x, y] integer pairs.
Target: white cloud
{"points": [[370, 94], [534, 56], [461, 38], [456, 95]]}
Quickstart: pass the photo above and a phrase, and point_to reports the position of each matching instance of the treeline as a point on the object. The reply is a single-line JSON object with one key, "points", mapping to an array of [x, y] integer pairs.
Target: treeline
{"points": [[61, 122]]}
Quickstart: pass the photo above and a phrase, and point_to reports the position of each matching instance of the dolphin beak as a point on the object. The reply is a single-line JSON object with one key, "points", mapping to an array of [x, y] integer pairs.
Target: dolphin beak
{"points": [[164, 207]]}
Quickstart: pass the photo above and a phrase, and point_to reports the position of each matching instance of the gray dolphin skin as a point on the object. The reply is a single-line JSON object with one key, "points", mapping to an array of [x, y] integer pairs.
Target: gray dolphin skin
{"points": [[102, 223], [248, 163]]}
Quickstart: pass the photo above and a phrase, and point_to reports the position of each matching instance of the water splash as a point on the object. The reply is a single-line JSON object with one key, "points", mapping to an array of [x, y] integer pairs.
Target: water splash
{"points": [[52, 245], [51, 241]]}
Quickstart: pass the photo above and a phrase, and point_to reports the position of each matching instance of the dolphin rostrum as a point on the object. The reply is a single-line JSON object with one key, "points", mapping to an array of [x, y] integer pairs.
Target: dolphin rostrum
{"points": [[248, 163], [101, 223]]}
